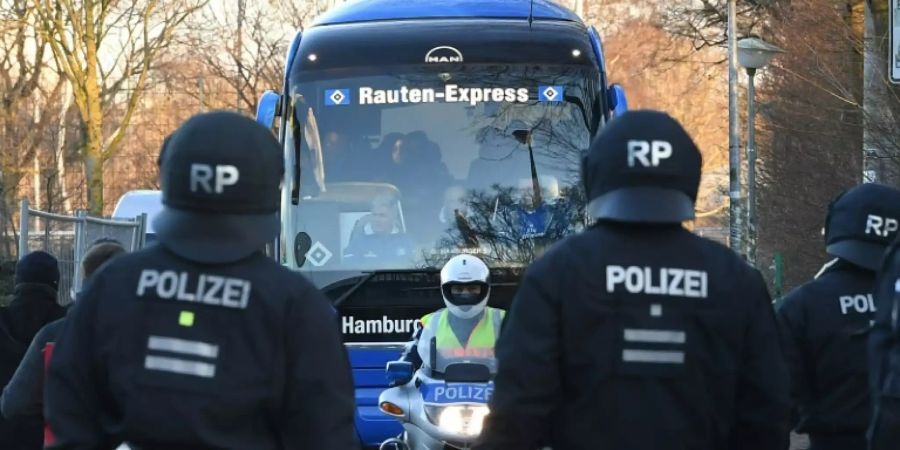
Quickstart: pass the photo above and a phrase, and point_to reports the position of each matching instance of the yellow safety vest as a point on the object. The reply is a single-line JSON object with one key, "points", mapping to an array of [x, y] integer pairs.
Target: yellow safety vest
{"points": [[480, 343]]}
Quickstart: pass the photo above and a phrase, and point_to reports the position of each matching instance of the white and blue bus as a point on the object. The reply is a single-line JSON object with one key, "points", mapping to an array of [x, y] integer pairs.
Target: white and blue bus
{"points": [[414, 131]]}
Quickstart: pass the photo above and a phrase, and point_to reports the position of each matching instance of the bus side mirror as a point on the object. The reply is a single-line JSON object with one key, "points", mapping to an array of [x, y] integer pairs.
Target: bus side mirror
{"points": [[618, 103], [267, 109], [302, 244]]}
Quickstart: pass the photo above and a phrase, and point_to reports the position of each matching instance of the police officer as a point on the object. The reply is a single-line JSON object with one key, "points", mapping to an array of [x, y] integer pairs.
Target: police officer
{"points": [[884, 354], [637, 334], [201, 341], [467, 328], [826, 321]]}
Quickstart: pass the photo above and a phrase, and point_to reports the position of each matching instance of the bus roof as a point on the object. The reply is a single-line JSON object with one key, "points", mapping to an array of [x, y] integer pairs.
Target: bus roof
{"points": [[374, 10], [499, 41]]}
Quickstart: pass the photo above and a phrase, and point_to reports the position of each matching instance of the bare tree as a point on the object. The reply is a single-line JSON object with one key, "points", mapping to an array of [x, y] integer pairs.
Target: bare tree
{"points": [[812, 112], [253, 59], [22, 66], [20, 70], [60, 151], [106, 50], [665, 72], [703, 22], [297, 14], [812, 118]]}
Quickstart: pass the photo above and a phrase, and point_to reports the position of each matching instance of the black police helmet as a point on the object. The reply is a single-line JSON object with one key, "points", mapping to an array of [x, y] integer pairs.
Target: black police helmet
{"points": [[861, 223], [221, 176], [642, 168]]}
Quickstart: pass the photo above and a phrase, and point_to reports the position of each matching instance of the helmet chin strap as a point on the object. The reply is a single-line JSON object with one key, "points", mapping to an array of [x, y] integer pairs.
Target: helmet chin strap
{"points": [[472, 312]]}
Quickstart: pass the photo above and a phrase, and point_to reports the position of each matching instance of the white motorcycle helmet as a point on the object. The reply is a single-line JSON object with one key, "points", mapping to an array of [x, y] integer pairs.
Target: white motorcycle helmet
{"points": [[465, 285]]}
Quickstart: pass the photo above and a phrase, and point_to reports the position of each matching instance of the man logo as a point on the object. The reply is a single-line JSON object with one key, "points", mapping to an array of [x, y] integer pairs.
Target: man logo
{"points": [[443, 54]]}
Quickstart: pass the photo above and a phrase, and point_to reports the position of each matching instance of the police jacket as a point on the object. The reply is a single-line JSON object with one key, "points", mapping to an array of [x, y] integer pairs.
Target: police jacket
{"points": [[164, 353], [825, 325], [884, 355], [630, 337]]}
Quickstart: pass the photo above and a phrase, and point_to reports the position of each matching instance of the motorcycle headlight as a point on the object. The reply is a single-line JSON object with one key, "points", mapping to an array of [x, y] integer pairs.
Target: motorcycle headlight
{"points": [[463, 420]]}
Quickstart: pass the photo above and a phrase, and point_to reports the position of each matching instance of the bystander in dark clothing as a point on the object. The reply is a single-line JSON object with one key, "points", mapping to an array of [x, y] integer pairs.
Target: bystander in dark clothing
{"points": [[33, 306], [23, 396]]}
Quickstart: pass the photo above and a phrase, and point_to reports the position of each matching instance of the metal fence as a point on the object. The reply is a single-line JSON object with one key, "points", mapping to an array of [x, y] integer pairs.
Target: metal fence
{"points": [[69, 237]]}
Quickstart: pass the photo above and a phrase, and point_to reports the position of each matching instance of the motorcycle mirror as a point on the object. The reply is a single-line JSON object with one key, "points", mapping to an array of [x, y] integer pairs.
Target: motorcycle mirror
{"points": [[399, 372]]}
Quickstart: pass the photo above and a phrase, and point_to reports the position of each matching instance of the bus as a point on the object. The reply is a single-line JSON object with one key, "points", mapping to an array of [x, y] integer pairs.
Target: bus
{"points": [[415, 131]]}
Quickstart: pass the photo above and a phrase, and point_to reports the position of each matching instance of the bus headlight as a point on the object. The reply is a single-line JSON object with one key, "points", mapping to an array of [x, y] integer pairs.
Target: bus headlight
{"points": [[463, 420]]}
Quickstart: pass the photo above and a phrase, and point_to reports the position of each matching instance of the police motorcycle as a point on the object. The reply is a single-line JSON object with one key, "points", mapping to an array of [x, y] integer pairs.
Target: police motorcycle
{"points": [[439, 408]]}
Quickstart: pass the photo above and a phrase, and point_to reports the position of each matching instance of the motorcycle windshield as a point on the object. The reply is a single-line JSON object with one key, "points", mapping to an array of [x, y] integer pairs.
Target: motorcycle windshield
{"points": [[445, 360]]}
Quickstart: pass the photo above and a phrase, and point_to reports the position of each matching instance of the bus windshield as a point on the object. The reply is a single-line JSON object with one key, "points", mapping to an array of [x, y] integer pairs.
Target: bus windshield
{"points": [[404, 168]]}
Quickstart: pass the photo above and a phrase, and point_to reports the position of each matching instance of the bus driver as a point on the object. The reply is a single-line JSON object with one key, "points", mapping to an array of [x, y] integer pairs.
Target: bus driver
{"points": [[380, 235]]}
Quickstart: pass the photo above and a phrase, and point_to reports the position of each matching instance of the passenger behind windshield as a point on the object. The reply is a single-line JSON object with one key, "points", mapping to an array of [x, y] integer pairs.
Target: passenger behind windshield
{"points": [[417, 169], [384, 160], [380, 235], [345, 159]]}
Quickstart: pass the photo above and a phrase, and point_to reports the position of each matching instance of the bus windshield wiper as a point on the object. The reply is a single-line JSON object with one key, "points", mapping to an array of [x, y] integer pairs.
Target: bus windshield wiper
{"points": [[368, 275]]}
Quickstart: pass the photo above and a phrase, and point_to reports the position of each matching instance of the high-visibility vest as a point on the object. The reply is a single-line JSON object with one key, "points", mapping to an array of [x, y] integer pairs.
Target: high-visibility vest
{"points": [[480, 343]]}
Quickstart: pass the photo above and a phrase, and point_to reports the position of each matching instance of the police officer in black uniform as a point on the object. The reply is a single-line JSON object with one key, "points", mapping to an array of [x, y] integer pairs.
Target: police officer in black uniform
{"points": [[884, 354], [202, 341], [637, 334], [825, 322]]}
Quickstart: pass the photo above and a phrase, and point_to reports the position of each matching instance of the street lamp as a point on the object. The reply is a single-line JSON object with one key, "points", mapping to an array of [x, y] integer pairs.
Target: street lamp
{"points": [[753, 53], [735, 240]]}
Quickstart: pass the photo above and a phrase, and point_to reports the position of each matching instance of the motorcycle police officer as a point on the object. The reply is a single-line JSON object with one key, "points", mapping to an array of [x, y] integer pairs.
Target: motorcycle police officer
{"points": [[467, 328], [637, 334], [202, 341], [884, 355], [826, 321]]}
